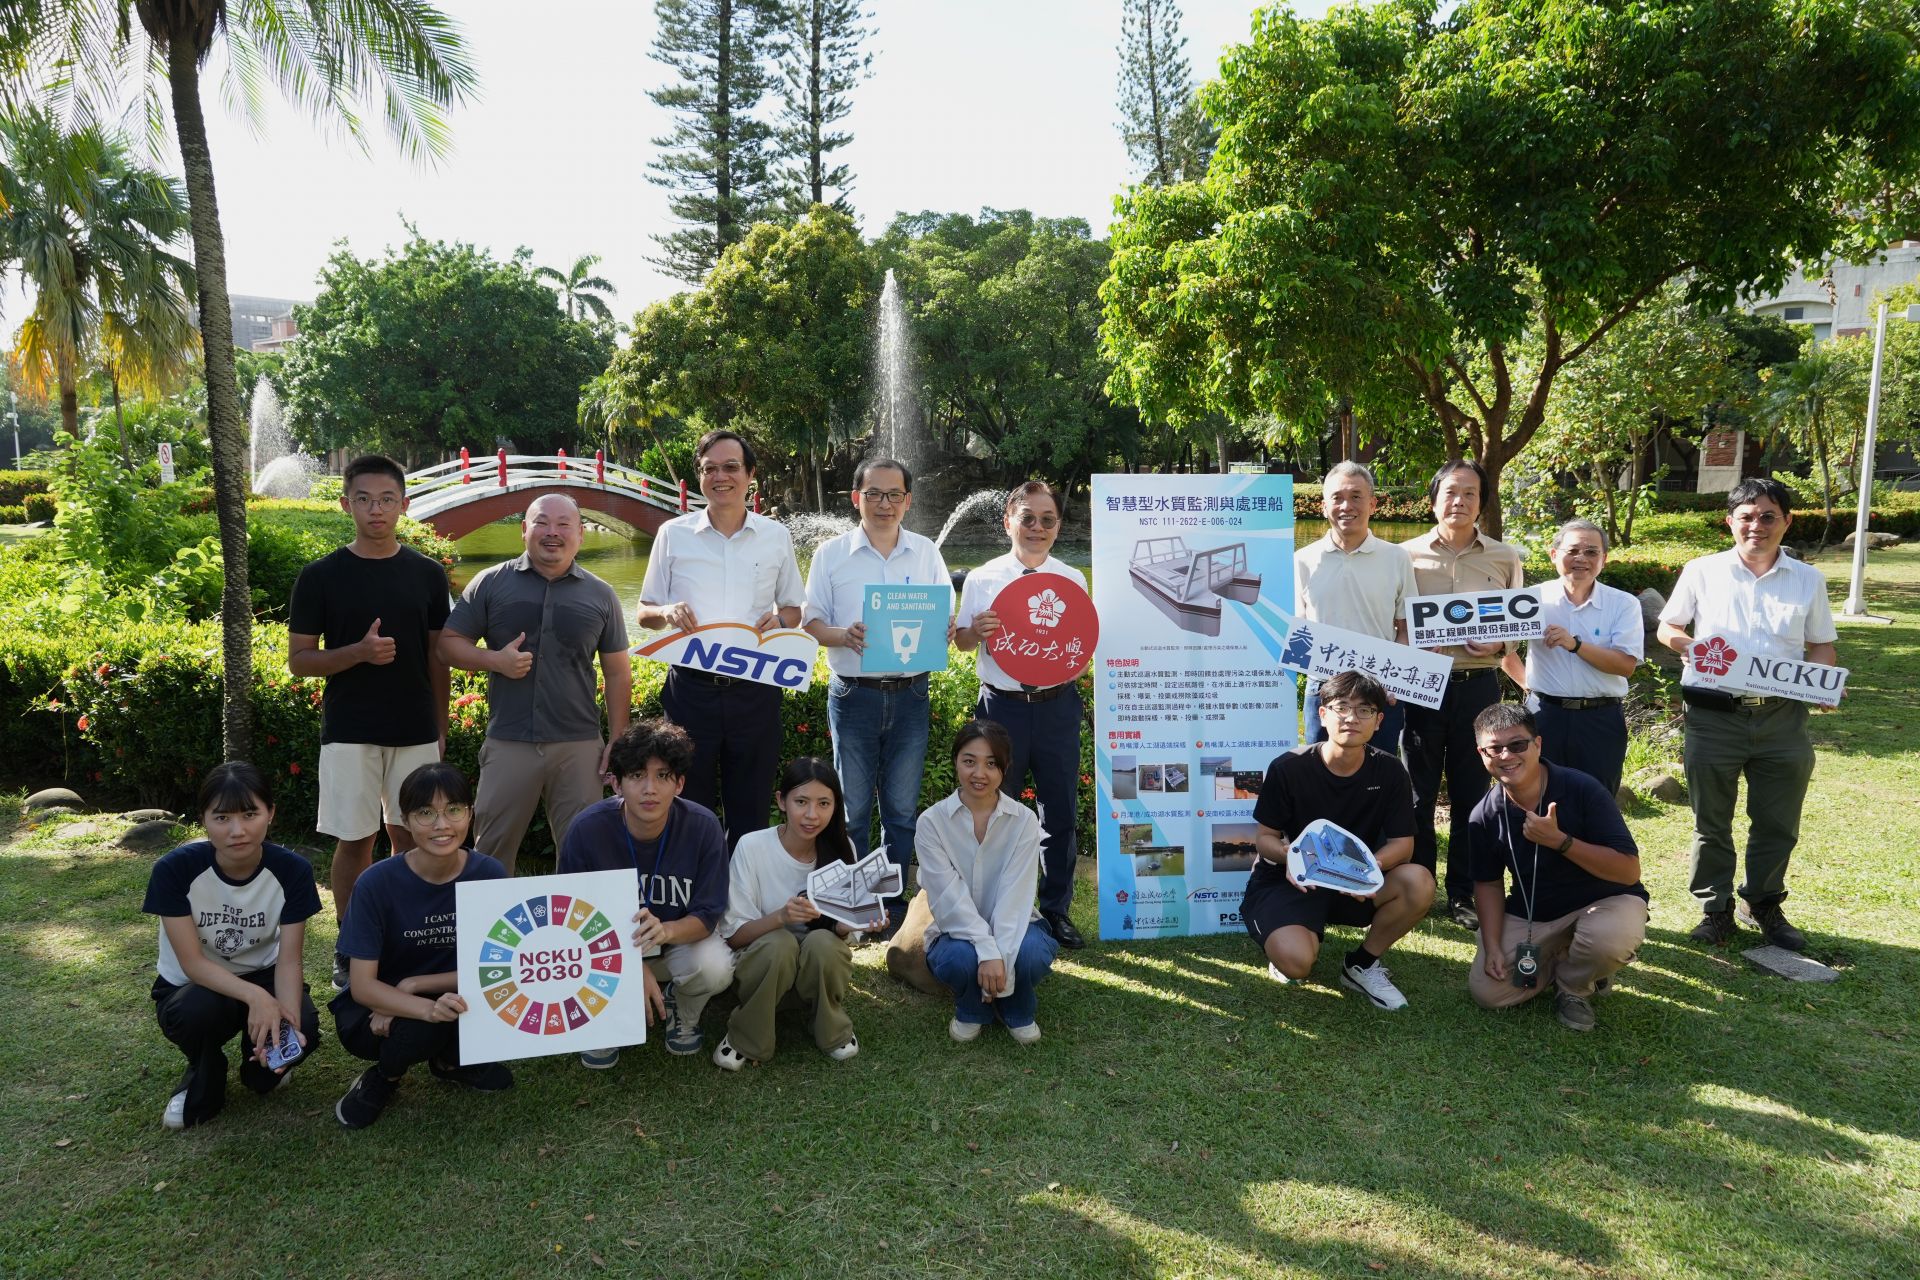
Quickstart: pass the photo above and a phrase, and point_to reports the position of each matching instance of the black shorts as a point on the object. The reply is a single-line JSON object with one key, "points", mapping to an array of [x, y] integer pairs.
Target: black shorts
{"points": [[1272, 903]]}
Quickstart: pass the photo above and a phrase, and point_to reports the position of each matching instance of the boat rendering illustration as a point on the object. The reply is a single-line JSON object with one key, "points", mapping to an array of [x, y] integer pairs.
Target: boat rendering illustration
{"points": [[1187, 585]]}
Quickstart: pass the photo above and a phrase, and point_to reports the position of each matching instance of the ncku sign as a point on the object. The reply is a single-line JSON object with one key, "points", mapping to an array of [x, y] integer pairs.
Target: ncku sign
{"points": [[783, 659], [1716, 662], [1047, 629], [1480, 616]]}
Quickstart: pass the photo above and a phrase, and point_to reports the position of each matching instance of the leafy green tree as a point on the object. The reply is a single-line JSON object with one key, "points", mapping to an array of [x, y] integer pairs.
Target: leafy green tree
{"points": [[580, 290], [403, 58], [1006, 314], [1399, 199], [821, 62], [434, 346], [1817, 397], [773, 345], [715, 162], [93, 233], [1168, 137]]}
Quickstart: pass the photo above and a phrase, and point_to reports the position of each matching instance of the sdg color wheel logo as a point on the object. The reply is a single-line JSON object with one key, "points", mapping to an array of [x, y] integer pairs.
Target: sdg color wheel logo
{"points": [[550, 964]]}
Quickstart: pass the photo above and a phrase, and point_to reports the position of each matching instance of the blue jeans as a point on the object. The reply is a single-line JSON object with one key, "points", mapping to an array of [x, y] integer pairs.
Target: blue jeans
{"points": [[880, 744], [1386, 736], [1046, 740], [954, 962]]}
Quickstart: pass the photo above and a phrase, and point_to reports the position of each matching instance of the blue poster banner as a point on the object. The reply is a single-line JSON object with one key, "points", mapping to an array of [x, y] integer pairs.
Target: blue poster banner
{"points": [[906, 628], [1191, 703]]}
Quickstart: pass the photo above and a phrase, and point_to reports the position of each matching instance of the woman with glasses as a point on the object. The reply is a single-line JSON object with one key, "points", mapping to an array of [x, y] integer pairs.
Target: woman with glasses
{"points": [[1576, 674], [403, 998], [1042, 721], [724, 563]]}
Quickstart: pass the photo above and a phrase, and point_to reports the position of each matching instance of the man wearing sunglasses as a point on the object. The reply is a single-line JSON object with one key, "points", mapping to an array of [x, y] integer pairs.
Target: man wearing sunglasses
{"points": [[1763, 603], [1577, 911], [724, 563], [879, 723]]}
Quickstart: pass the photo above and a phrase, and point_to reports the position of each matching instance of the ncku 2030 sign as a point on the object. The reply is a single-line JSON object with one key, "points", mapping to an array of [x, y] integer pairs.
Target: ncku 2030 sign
{"points": [[783, 658], [1484, 617]]}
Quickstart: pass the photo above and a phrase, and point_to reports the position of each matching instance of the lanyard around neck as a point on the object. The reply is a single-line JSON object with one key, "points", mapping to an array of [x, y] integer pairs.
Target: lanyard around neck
{"points": [[659, 851]]}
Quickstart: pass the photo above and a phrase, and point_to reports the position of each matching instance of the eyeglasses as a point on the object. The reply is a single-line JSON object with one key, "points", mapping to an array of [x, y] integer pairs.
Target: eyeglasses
{"points": [[1030, 521], [1351, 711], [1518, 747], [381, 502], [424, 817], [1581, 553], [722, 468], [892, 497], [1765, 519]]}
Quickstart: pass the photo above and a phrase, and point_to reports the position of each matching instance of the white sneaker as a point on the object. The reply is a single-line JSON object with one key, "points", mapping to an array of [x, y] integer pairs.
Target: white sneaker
{"points": [[1273, 971], [175, 1116], [965, 1032], [1025, 1035], [845, 1051], [1375, 983], [728, 1058]]}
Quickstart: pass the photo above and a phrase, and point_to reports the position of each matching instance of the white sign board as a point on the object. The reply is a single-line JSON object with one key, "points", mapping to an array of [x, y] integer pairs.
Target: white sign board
{"points": [[1321, 652], [1716, 662], [546, 965], [166, 463], [1485, 617], [782, 658]]}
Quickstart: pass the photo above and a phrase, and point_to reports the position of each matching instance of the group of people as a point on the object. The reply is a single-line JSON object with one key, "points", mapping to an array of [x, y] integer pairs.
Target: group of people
{"points": [[722, 883], [1549, 823]]}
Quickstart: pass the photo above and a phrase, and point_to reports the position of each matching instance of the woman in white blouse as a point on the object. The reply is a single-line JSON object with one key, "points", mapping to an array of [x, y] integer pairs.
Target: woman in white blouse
{"points": [[979, 856], [781, 942]]}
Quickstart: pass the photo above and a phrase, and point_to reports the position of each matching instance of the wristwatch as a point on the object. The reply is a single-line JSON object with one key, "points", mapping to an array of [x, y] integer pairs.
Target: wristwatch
{"points": [[1563, 846], [1577, 642]]}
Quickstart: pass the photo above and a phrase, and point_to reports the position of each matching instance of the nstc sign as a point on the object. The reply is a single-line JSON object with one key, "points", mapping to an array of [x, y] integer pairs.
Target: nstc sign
{"points": [[1485, 617], [782, 658]]}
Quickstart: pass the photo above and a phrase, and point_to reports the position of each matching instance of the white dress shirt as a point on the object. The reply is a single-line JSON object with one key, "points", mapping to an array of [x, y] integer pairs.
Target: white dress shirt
{"points": [[722, 579], [761, 878], [988, 581], [981, 891], [846, 564], [1776, 614], [1610, 618]]}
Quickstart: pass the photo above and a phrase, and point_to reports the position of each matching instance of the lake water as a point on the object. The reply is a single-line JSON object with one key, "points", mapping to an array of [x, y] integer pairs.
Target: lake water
{"points": [[623, 563]]}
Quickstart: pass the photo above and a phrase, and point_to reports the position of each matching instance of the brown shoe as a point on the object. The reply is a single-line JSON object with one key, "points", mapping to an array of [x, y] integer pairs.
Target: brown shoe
{"points": [[1716, 928]]}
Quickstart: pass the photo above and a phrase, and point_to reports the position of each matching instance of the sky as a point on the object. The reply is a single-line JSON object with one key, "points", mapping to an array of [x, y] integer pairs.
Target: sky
{"points": [[971, 103]]}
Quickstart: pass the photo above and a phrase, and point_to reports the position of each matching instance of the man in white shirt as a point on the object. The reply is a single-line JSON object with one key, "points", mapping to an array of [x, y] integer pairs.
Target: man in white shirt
{"points": [[879, 723], [1762, 602], [1351, 579], [1044, 721], [724, 564], [1576, 674]]}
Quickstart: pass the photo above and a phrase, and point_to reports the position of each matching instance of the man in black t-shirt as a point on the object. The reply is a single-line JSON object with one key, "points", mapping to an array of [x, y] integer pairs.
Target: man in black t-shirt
{"points": [[1577, 904], [378, 607], [1366, 792]]}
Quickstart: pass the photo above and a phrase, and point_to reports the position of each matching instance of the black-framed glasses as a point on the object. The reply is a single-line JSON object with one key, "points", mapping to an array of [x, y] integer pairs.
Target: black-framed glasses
{"points": [[1518, 747], [1352, 710], [892, 497]]}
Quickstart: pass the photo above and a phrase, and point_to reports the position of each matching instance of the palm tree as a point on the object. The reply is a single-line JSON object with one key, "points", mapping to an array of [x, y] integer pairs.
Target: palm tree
{"points": [[1804, 398], [91, 231], [402, 58], [579, 290]]}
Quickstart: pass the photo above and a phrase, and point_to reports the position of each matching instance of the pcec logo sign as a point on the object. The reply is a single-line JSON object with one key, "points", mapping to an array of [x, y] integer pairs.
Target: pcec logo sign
{"points": [[782, 658], [1483, 617]]}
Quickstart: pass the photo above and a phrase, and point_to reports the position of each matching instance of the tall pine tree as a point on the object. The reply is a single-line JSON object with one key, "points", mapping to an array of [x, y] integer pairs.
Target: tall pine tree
{"points": [[820, 64], [1167, 136], [716, 161]]}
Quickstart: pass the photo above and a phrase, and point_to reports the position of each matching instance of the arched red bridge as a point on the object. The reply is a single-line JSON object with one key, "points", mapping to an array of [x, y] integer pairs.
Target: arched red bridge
{"points": [[460, 496]]}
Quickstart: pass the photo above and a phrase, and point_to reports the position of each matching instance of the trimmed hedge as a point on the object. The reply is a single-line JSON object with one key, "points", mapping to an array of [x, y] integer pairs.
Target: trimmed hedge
{"points": [[16, 485], [40, 506], [13, 515], [1399, 504]]}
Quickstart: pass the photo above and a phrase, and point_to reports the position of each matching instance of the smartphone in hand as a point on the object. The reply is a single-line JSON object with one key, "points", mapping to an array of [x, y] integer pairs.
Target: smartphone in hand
{"points": [[285, 1049]]}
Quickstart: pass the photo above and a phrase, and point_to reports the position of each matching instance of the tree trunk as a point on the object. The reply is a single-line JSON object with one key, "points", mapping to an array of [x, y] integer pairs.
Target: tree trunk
{"points": [[226, 424], [816, 156], [1220, 449], [1607, 484], [723, 230]]}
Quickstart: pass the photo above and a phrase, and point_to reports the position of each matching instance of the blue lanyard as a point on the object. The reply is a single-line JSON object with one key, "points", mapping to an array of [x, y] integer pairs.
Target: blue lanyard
{"points": [[659, 851]]}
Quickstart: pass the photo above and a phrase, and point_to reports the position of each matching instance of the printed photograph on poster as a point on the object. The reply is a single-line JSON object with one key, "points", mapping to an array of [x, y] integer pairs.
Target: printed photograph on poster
{"points": [[1212, 770], [1233, 848], [1126, 777], [546, 966], [1153, 778], [1150, 858], [1175, 774]]}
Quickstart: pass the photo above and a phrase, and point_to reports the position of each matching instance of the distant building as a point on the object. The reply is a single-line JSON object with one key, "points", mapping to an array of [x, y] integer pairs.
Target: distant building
{"points": [[254, 317], [284, 331], [1838, 301]]}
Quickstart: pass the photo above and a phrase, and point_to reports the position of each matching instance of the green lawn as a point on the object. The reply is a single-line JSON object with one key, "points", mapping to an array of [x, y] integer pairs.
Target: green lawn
{"points": [[1183, 1115]]}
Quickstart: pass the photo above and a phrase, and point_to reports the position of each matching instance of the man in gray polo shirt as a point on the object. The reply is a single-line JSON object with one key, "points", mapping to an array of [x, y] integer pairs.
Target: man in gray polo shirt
{"points": [[543, 619]]}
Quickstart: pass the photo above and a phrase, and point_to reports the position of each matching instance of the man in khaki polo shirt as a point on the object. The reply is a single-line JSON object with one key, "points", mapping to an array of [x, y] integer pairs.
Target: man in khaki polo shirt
{"points": [[1456, 557], [1351, 579]]}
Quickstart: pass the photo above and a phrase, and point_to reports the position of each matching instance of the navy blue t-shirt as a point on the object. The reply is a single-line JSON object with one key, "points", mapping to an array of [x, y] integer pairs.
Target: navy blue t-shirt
{"points": [[238, 920], [404, 922], [1585, 811], [686, 878]]}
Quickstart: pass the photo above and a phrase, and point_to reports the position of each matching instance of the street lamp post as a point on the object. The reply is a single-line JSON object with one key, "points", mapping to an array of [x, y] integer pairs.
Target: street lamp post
{"points": [[1856, 606]]}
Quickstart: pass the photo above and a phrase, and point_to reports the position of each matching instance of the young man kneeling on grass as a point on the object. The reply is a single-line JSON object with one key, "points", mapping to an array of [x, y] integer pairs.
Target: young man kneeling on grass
{"points": [[1365, 791], [1577, 912], [679, 851]]}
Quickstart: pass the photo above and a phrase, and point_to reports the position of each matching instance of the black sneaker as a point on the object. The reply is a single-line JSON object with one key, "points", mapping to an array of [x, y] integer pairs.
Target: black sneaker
{"points": [[1773, 925], [342, 978], [362, 1104], [1063, 931], [1716, 929], [482, 1077]]}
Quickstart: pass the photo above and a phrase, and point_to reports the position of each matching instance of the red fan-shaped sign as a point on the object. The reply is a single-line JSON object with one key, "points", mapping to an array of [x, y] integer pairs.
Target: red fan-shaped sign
{"points": [[1047, 629]]}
